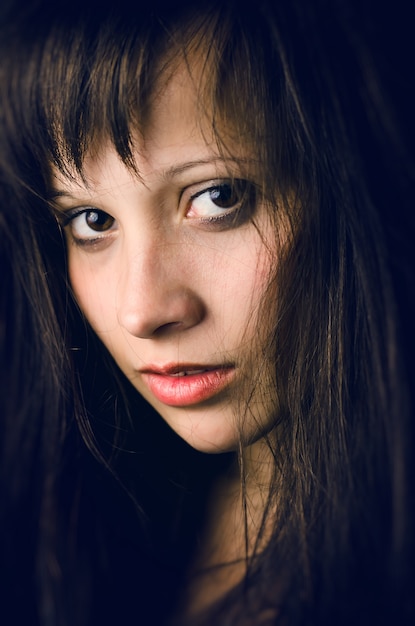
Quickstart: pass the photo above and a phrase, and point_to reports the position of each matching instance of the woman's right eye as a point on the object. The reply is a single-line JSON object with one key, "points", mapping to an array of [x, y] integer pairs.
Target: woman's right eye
{"points": [[88, 225]]}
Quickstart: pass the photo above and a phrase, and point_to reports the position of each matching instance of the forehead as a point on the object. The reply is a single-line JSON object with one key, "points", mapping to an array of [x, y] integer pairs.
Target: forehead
{"points": [[135, 90], [178, 130], [176, 109], [184, 103]]}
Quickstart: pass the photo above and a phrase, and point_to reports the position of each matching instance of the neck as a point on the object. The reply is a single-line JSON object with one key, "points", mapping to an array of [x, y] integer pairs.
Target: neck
{"points": [[256, 466], [234, 522]]}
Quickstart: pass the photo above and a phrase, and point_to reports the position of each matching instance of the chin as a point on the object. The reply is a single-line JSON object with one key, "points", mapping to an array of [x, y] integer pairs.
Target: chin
{"points": [[209, 442]]}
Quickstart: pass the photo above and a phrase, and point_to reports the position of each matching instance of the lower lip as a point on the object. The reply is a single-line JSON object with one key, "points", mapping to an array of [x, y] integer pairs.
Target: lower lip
{"points": [[188, 390]]}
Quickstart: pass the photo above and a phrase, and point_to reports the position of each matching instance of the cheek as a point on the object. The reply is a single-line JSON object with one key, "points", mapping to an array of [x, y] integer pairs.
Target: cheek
{"points": [[231, 280], [233, 286], [94, 294], [244, 281]]}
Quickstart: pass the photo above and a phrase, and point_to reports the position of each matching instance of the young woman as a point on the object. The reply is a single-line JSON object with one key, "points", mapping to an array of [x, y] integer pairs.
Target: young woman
{"points": [[200, 225]]}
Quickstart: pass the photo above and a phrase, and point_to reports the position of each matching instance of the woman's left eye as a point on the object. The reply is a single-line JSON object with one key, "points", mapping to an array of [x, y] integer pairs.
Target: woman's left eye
{"points": [[221, 201]]}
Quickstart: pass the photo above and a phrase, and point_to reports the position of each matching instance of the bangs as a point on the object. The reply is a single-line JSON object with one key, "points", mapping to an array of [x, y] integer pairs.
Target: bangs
{"points": [[93, 77]]}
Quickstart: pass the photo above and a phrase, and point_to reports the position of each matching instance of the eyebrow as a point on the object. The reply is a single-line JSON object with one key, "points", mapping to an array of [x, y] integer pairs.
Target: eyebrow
{"points": [[169, 174], [175, 170], [54, 194]]}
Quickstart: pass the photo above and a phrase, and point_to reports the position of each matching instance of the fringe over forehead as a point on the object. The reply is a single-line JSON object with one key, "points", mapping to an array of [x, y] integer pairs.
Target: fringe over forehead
{"points": [[86, 76]]}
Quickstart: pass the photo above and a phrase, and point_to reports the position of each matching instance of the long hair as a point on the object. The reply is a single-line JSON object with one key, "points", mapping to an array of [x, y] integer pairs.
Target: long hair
{"points": [[327, 106], [36, 406]]}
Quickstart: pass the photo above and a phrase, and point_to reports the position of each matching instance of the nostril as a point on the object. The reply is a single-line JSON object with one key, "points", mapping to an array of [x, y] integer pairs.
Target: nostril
{"points": [[158, 312], [165, 329]]}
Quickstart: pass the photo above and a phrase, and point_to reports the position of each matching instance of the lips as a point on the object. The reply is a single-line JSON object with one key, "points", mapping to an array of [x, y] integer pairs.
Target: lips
{"points": [[185, 384]]}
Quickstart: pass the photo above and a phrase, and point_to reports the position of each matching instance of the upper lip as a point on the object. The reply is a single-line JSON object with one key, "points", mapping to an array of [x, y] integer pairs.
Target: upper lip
{"points": [[177, 368]]}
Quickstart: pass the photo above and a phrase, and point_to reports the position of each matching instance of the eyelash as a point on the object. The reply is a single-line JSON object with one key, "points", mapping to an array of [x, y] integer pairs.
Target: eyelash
{"points": [[244, 192], [244, 196], [67, 217]]}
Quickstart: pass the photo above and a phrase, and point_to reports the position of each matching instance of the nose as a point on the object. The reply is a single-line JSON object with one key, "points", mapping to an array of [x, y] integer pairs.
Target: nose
{"points": [[156, 294]]}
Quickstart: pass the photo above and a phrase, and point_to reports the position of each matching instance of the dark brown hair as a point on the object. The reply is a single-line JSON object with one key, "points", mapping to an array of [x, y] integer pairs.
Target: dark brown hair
{"points": [[326, 105]]}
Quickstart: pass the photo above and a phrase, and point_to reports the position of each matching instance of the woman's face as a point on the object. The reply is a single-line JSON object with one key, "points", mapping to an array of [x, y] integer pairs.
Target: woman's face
{"points": [[170, 267]]}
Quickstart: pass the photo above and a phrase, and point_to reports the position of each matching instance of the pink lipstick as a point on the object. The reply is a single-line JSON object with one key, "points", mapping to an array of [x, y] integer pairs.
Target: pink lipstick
{"points": [[187, 385]]}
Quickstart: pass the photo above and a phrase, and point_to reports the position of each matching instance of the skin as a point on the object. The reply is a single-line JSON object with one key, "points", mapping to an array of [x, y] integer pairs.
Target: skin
{"points": [[162, 285]]}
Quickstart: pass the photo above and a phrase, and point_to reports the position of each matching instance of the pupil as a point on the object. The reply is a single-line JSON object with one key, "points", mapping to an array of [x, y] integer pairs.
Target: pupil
{"points": [[223, 196], [98, 220]]}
